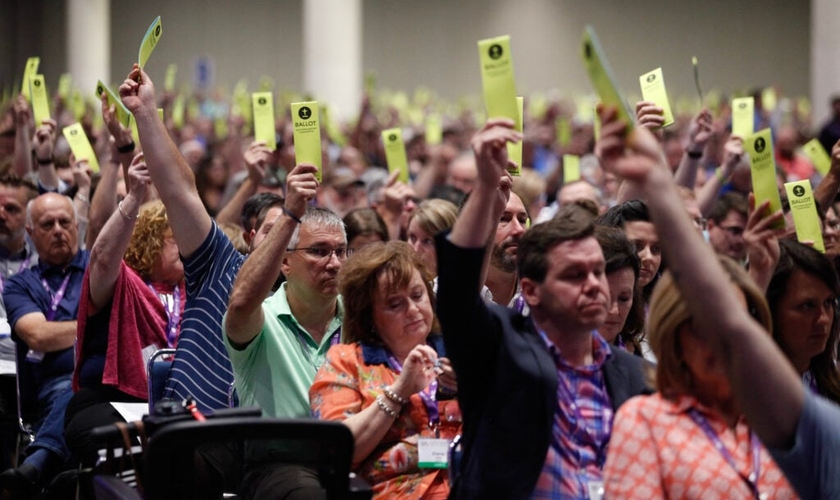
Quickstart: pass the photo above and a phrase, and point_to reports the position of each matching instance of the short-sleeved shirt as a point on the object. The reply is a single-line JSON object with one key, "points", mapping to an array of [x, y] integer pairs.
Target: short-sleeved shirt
{"points": [[812, 464], [202, 368], [350, 380], [275, 370], [658, 451], [24, 293]]}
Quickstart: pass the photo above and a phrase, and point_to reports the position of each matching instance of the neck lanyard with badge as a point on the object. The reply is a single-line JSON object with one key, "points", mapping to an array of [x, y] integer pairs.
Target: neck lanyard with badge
{"points": [[432, 452], [173, 313], [751, 480], [55, 299]]}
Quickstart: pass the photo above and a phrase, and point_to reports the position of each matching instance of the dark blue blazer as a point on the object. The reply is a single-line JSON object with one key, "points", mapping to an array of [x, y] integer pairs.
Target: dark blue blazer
{"points": [[507, 382]]}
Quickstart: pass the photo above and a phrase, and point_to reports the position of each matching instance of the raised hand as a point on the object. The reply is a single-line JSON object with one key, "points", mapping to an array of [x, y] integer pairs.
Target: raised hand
{"points": [[762, 241], [138, 92], [301, 186], [633, 158], [21, 111], [700, 131], [256, 160], [81, 172], [649, 115], [490, 148], [109, 114], [44, 140], [139, 179]]}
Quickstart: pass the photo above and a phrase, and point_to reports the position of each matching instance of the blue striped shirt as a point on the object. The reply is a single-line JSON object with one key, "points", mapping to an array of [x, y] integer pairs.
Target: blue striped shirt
{"points": [[202, 368]]}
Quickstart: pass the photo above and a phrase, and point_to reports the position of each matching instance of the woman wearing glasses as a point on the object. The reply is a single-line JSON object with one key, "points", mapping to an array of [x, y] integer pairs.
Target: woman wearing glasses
{"points": [[387, 383]]}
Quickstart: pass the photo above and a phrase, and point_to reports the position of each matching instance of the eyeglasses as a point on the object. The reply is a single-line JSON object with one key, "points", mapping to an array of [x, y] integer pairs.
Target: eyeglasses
{"points": [[322, 253], [733, 230]]}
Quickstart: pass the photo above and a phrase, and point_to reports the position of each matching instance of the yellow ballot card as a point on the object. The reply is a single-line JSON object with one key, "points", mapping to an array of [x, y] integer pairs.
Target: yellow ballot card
{"points": [[40, 101], [564, 131], [818, 156], [150, 40], [395, 152], [80, 146], [65, 85], [743, 120], [571, 168], [596, 124], [264, 128], [307, 131], [653, 90], [169, 80], [29, 71], [515, 149], [123, 114], [434, 130], [178, 110], [497, 78], [803, 207], [763, 169], [602, 77]]}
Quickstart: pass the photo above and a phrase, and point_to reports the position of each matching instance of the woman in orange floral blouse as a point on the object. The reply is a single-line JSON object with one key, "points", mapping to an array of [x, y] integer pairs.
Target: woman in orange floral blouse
{"points": [[689, 440], [389, 382]]}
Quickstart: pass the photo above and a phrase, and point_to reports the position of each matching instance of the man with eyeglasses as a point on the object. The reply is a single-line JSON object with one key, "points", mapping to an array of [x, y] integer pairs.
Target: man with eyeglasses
{"points": [[277, 345], [727, 222]]}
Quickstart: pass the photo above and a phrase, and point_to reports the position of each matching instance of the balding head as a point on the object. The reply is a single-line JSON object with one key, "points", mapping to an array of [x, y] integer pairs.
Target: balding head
{"points": [[51, 222]]}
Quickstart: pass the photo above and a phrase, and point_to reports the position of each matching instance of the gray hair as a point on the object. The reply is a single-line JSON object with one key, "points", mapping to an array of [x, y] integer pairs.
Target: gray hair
{"points": [[319, 218]]}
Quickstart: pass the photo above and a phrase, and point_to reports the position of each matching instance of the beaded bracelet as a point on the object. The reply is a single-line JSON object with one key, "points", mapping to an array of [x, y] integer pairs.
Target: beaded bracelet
{"points": [[382, 406], [393, 396], [292, 216]]}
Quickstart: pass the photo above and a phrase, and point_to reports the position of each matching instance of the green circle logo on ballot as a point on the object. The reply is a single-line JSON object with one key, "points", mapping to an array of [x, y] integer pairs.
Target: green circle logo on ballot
{"points": [[742, 105], [157, 31], [304, 113], [74, 131], [651, 78], [495, 51], [760, 144], [262, 101], [392, 137], [799, 191], [99, 90]]}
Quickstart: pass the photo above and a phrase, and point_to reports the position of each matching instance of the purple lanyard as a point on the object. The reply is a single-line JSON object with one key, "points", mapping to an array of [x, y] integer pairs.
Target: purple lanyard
{"points": [[173, 313], [23, 265], [519, 304], [427, 394], [752, 479], [55, 299]]}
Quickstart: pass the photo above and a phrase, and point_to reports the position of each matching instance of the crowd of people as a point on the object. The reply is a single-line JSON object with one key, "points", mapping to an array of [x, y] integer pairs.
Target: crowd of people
{"points": [[644, 331]]}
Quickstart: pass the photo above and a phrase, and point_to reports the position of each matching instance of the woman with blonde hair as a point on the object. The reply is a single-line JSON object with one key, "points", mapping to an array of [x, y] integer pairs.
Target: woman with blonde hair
{"points": [[132, 302], [690, 439], [430, 218]]}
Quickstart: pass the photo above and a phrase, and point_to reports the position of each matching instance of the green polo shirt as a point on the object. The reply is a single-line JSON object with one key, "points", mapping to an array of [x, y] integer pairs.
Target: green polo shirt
{"points": [[277, 368]]}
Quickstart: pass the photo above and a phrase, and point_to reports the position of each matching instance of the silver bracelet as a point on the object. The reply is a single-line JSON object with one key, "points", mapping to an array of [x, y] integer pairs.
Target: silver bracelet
{"points": [[126, 217], [382, 406]]}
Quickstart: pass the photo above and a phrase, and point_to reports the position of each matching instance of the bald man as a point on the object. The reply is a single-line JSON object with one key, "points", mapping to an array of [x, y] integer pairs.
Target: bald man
{"points": [[42, 302]]}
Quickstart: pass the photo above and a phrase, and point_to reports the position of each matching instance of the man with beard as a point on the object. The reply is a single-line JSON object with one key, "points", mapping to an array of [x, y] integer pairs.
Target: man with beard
{"points": [[502, 281]]}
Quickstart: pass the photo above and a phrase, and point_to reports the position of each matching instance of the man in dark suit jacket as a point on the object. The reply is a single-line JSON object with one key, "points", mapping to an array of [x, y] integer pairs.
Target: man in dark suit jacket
{"points": [[537, 392]]}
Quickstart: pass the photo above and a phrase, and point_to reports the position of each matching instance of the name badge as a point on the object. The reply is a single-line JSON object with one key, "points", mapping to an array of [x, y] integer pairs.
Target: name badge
{"points": [[433, 453], [34, 356], [596, 490]]}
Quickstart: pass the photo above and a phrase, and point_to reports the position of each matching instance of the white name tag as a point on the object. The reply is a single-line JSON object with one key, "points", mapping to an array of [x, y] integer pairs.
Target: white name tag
{"points": [[596, 490], [433, 453]]}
